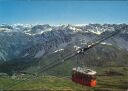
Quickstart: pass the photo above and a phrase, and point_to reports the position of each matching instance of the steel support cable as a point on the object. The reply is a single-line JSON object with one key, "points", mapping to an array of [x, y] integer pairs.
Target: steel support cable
{"points": [[94, 58], [98, 42], [58, 59], [77, 63], [47, 67], [81, 50], [16, 82], [79, 59], [84, 49], [82, 59], [58, 63], [54, 62]]}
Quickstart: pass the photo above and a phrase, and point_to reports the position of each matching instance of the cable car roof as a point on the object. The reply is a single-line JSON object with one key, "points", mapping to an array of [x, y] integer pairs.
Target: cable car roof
{"points": [[84, 71]]}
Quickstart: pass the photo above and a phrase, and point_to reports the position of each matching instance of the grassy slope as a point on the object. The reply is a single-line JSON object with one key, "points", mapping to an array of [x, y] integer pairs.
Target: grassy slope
{"points": [[104, 83]]}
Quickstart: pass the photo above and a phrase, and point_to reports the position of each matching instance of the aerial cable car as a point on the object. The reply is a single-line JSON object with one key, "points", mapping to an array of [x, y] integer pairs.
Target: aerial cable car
{"points": [[83, 75]]}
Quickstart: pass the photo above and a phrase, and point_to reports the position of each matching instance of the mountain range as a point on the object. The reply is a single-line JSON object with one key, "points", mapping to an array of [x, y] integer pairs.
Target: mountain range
{"points": [[32, 42]]}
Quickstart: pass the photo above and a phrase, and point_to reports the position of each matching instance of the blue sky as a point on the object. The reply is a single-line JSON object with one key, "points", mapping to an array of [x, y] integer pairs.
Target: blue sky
{"points": [[63, 12]]}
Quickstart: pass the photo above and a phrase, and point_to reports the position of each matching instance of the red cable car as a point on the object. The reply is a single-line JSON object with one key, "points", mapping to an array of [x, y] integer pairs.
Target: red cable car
{"points": [[84, 76]]}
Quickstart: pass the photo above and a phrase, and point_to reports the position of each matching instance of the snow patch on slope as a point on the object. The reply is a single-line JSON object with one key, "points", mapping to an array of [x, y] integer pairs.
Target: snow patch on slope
{"points": [[40, 53], [104, 43], [58, 50], [26, 55]]}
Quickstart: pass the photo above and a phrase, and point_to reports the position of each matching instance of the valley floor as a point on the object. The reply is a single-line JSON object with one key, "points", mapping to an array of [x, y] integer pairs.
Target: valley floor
{"points": [[113, 79]]}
